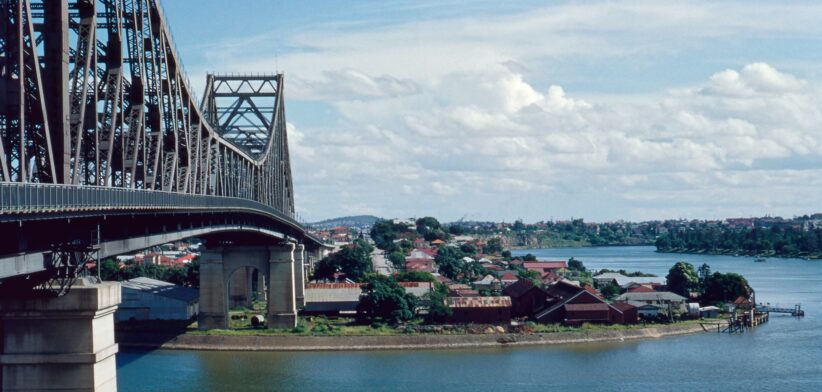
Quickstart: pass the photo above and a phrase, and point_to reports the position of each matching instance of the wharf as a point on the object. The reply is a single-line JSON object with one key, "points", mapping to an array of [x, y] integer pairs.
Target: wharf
{"points": [[741, 322]]}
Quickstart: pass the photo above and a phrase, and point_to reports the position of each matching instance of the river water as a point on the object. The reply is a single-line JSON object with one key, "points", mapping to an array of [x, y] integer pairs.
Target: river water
{"points": [[782, 355]]}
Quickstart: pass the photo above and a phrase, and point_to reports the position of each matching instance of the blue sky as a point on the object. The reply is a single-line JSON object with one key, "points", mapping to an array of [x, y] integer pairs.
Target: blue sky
{"points": [[603, 110]]}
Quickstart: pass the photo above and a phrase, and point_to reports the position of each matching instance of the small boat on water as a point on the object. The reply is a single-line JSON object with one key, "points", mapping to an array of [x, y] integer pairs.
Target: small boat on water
{"points": [[760, 260]]}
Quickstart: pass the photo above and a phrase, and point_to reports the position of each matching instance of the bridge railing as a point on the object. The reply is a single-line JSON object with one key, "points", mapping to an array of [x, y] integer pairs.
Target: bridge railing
{"points": [[32, 198]]}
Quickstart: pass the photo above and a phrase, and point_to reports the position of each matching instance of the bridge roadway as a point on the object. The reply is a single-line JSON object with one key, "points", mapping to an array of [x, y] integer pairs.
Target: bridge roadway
{"points": [[35, 217]]}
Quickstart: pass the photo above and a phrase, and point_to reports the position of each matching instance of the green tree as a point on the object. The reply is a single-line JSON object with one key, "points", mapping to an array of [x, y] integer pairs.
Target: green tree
{"points": [[427, 223], [438, 310], [468, 249], [384, 232], [397, 259], [533, 276], [353, 260], [610, 291], [448, 262], [456, 229], [704, 272], [725, 287], [493, 246], [576, 265], [384, 299], [682, 279]]}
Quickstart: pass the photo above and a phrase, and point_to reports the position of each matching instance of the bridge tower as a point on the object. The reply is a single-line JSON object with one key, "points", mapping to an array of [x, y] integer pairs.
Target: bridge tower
{"points": [[103, 144]]}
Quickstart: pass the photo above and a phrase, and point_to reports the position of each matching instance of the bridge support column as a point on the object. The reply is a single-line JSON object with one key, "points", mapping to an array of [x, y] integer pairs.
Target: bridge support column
{"points": [[213, 304], [299, 275], [313, 257], [282, 310], [64, 343], [262, 292], [241, 292]]}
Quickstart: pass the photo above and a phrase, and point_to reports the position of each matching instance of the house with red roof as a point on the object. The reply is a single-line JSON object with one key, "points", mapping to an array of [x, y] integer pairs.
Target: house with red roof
{"points": [[422, 253], [422, 265], [508, 278], [544, 267], [640, 289]]}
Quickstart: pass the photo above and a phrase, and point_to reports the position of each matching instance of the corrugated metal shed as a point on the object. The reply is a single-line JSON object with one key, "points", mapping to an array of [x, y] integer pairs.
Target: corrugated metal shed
{"points": [[479, 302], [163, 289]]}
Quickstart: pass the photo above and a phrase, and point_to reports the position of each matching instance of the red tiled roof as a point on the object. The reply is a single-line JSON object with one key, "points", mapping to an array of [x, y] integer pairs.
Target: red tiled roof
{"points": [[641, 289], [419, 261], [508, 276], [428, 251], [442, 279], [420, 267], [544, 266], [185, 258], [592, 290]]}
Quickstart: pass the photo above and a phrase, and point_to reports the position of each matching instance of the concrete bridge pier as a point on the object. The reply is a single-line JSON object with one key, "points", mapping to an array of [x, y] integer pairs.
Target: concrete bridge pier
{"points": [[299, 275], [241, 286], [262, 292], [312, 257], [282, 300], [276, 263], [64, 343]]}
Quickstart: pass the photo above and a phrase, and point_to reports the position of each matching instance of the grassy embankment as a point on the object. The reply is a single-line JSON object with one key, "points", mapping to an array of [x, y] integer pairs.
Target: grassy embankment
{"points": [[321, 326]]}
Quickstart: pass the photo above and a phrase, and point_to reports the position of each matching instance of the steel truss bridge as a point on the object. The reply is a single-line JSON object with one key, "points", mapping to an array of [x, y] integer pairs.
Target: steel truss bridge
{"points": [[104, 148]]}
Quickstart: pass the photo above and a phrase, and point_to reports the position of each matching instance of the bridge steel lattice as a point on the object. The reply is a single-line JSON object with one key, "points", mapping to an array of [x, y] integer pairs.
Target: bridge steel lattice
{"points": [[99, 124]]}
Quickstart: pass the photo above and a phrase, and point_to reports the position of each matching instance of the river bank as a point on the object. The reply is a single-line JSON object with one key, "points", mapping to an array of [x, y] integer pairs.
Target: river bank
{"points": [[398, 342]]}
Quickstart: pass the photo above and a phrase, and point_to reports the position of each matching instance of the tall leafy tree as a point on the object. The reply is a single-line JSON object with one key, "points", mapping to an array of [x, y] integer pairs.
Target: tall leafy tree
{"points": [[704, 272], [438, 310], [353, 260], [576, 265], [397, 259], [682, 279], [384, 299], [725, 287], [384, 232], [493, 246]]}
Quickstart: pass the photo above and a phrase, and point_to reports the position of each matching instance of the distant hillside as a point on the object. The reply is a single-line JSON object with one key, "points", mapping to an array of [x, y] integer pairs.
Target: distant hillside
{"points": [[359, 221]]}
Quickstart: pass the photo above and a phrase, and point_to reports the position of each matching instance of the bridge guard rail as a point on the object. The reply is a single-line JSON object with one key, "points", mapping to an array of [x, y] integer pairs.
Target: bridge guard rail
{"points": [[29, 198]]}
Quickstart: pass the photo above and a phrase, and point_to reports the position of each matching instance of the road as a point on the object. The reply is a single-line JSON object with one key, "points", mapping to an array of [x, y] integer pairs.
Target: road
{"points": [[381, 264]]}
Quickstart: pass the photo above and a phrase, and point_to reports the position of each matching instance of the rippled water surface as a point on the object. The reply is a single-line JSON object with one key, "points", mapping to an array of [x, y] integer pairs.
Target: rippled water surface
{"points": [[782, 355]]}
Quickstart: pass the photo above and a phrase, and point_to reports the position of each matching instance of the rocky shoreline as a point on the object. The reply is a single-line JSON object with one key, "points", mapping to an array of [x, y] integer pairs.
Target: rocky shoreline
{"points": [[397, 342]]}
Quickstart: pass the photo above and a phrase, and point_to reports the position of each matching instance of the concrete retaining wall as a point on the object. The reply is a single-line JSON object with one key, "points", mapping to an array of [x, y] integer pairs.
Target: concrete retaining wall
{"points": [[350, 343]]}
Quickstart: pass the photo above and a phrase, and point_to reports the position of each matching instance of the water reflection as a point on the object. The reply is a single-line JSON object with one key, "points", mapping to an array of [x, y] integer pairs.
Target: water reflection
{"points": [[782, 355]]}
